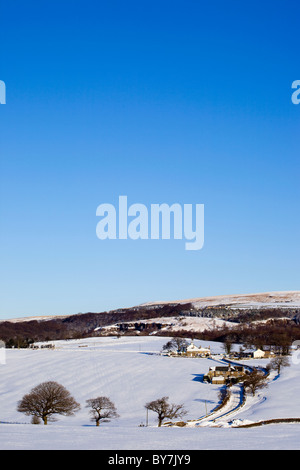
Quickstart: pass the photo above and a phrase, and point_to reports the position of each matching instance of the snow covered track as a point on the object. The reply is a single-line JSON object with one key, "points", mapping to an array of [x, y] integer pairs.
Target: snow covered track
{"points": [[232, 406]]}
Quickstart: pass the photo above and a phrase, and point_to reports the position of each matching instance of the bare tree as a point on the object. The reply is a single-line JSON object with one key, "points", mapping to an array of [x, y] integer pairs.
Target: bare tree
{"points": [[255, 381], [47, 399], [176, 344], [278, 362], [101, 409], [165, 410], [227, 346]]}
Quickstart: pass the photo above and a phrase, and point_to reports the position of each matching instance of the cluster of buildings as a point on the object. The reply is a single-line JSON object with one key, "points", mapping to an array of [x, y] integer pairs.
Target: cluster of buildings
{"points": [[198, 351], [225, 374], [42, 346], [257, 354], [191, 351]]}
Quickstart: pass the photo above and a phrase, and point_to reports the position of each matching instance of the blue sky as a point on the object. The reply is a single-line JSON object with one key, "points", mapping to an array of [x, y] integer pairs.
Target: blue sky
{"points": [[186, 102]]}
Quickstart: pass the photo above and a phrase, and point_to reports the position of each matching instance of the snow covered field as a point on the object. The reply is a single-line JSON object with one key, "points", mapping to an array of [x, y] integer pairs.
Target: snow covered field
{"points": [[130, 372]]}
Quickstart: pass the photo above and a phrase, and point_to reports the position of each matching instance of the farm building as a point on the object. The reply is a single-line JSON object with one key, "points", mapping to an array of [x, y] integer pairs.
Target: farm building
{"points": [[193, 351], [259, 354], [224, 374]]}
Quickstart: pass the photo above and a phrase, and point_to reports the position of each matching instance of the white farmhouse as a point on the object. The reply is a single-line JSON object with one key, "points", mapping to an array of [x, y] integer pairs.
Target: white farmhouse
{"points": [[259, 354], [193, 351]]}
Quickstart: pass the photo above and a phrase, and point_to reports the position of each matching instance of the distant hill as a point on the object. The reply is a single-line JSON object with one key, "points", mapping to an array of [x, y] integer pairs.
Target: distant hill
{"points": [[290, 299], [146, 318]]}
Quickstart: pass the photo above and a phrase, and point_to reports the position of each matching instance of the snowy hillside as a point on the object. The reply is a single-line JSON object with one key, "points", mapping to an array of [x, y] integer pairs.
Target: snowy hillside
{"points": [[289, 299], [130, 371], [267, 299], [170, 325]]}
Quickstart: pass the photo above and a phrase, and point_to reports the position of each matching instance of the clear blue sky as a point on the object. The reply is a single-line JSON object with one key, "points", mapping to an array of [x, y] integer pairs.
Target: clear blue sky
{"points": [[162, 101]]}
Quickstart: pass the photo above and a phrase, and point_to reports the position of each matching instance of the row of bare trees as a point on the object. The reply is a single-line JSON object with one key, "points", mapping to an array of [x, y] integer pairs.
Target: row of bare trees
{"points": [[51, 398]]}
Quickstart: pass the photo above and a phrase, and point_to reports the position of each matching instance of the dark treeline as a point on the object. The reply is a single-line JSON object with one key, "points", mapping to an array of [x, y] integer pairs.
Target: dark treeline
{"points": [[82, 325], [251, 315], [275, 332]]}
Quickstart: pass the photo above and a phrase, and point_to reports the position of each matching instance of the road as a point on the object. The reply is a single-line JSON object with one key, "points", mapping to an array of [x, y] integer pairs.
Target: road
{"points": [[231, 407]]}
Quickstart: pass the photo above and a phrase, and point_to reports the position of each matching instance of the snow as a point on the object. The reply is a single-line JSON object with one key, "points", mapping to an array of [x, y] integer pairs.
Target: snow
{"points": [[131, 372], [34, 318], [173, 324], [267, 299], [280, 400]]}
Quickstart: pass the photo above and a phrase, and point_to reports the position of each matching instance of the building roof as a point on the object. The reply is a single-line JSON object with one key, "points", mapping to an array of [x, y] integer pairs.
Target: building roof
{"points": [[220, 377]]}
